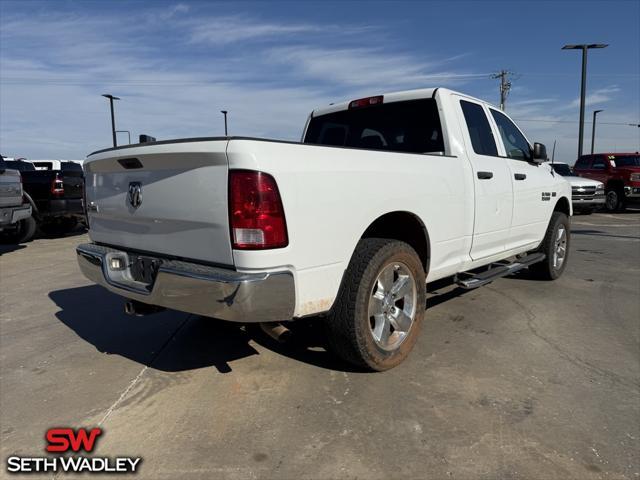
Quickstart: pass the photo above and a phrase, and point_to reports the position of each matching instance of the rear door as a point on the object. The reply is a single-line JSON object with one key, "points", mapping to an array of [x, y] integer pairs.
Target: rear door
{"points": [[533, 200], [492, 180], [168, 199]]}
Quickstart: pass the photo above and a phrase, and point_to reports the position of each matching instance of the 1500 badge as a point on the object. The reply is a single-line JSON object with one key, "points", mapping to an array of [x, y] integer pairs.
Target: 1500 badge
{"points": [[546, 196]]}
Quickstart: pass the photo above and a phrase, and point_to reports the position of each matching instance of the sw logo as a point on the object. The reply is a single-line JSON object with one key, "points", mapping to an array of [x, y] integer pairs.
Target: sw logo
{"points": [[65, 440]]}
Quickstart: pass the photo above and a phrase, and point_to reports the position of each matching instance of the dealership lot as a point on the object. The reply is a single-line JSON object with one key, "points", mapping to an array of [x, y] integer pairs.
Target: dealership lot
{"points": [[519, 379]]}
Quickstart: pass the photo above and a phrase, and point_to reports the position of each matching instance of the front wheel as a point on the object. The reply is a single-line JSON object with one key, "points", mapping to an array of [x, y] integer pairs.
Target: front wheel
{"points": [[377, 316], [555, 246], [614, 200]]}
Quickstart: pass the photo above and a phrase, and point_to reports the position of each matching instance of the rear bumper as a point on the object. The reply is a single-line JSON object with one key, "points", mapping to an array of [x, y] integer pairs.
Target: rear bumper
{"points": [[194, 288], [11, 215], [62, 207]]}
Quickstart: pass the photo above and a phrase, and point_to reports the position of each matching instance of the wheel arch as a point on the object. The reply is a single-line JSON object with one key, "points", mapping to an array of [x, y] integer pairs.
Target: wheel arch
{"points": [[563, 205], [404, 226]]}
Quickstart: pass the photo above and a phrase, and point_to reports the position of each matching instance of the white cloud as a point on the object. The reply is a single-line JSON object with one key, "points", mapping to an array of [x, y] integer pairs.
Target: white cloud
{"points": [[598, 96]]}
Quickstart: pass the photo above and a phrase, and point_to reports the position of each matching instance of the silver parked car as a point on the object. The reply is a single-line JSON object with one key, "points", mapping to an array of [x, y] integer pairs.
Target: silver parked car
{"points": [[586, 194]]}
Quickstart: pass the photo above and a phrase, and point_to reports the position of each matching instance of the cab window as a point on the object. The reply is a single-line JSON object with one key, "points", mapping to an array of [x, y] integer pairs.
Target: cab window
{"points": [[598, 163], [514, 142], [479, 129]]}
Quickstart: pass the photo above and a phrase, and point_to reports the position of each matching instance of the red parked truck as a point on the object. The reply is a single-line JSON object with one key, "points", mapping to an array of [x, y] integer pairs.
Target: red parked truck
{"points": [[620, 172]]}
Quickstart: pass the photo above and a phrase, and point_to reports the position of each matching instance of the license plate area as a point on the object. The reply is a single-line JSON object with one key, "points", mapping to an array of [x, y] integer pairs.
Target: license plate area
{"points": [[143, 269], [131, 271]]}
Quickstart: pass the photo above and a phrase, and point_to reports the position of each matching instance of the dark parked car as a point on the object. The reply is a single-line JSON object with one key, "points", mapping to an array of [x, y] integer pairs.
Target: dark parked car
{"points": [[55, 189]]}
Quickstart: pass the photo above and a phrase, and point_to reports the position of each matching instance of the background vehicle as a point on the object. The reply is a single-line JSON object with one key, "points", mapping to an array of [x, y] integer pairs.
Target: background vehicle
{"points": [[586, 194], [16, 223], [56, 190], [620, 173], [384, 194]]}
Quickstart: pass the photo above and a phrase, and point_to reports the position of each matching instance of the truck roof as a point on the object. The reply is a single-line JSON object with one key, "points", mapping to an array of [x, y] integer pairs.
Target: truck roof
{"points": [[402, 96]]}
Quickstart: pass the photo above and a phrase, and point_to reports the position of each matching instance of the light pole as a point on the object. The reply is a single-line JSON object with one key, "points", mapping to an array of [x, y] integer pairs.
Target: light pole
{"points": [[127, 132], [593, 128], [224, 112], [583, 86], [113, 121]]}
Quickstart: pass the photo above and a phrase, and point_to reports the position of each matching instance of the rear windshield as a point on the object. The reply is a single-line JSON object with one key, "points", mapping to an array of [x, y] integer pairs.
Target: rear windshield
{"points": [[626, 160], [21, 166], [412, 127], [71, 167], [43, 165], [562, 169]]}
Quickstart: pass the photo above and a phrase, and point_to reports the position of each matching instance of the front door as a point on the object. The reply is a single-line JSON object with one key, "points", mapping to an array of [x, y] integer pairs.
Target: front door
{"points": [[533, 200], [492, 180]]}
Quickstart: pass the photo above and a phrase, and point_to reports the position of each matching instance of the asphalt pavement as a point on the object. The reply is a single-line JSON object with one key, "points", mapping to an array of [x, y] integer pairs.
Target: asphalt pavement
{"points": [[518, 379]]}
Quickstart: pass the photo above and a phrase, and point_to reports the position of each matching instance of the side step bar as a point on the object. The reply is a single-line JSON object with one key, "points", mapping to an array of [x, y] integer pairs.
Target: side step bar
{"points": [[495, 271]]}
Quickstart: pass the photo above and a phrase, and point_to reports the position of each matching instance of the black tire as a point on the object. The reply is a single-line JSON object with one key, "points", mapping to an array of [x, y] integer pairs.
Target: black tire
{"points": [[547, 269], [24, 232], [349, 327], [614, 200]]}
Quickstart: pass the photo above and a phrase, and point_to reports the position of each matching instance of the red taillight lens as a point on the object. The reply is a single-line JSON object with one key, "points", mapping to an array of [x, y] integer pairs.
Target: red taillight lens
{"points": [[57, 186], [255, 211]]}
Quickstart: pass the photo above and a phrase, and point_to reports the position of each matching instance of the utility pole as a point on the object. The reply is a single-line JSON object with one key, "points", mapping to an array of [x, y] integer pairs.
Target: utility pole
{"points": [[505, 86]]}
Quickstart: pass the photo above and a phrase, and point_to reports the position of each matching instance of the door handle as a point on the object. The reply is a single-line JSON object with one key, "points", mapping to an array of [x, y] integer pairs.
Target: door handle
{"points": [[520, 176], [485, 175]]}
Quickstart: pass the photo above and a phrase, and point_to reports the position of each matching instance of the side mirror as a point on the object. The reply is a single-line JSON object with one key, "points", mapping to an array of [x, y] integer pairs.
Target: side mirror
{"points": [[539, 153]]}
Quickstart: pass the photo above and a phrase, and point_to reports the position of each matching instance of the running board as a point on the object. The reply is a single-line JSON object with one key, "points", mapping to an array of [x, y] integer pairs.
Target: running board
{"points": [[496, 271]]}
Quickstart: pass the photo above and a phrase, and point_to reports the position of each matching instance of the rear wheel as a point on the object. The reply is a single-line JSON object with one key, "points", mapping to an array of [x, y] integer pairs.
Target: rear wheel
{"points": [[556, 248], [24, 231], [378, 313]]}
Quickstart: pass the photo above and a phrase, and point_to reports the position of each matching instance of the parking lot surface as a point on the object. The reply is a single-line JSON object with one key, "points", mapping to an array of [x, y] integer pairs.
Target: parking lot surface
{"points": [[518, 379]]}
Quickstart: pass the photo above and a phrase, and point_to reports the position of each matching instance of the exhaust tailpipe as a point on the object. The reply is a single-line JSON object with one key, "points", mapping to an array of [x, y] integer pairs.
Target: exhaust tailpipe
{"points": [[277, 331], [139, 309]]}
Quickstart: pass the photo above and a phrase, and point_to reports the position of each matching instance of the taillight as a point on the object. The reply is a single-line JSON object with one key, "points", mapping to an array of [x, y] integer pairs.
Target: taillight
{"points": [[57, 186], [366, 102], [255, 211]]}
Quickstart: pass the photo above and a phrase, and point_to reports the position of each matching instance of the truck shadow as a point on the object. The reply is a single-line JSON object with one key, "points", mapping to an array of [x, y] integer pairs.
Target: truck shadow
{"points": [[172, 341], [169, 341]]}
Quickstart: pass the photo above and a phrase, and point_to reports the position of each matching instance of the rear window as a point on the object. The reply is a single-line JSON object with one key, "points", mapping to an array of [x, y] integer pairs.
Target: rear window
{"points": [[43, 165], [562, 169], [21, 166], [71, 167], [479, 129], [412, 127], [625, 160], [583, 162]]}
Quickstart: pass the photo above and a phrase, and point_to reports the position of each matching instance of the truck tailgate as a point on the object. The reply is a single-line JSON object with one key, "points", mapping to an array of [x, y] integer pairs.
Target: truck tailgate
{"points": [[177, 205]]}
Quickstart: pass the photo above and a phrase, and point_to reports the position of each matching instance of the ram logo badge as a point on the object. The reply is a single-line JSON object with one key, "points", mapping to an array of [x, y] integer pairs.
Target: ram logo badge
{"points": [[135, 194]]}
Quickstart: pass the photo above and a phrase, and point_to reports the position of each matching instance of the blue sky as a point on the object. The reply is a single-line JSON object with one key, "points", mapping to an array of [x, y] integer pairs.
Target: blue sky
{"points": [[177, 64]]}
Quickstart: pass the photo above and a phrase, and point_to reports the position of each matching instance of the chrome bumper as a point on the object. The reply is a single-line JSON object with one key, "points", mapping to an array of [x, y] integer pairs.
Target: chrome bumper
{"points": [[11, 215], [194, 288]]}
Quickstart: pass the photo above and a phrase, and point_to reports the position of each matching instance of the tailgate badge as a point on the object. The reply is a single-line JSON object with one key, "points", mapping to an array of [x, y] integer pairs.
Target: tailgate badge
{"points": [[135, 194]]}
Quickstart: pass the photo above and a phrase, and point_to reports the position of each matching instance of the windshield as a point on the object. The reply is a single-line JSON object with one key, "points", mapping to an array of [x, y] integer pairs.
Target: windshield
{"points": [[21, 166], [562, 169], [411, 126], [626, 160]]}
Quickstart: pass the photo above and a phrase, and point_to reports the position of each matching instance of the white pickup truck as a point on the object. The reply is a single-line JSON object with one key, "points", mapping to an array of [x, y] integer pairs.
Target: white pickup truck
{"points": [[383, 195]]}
